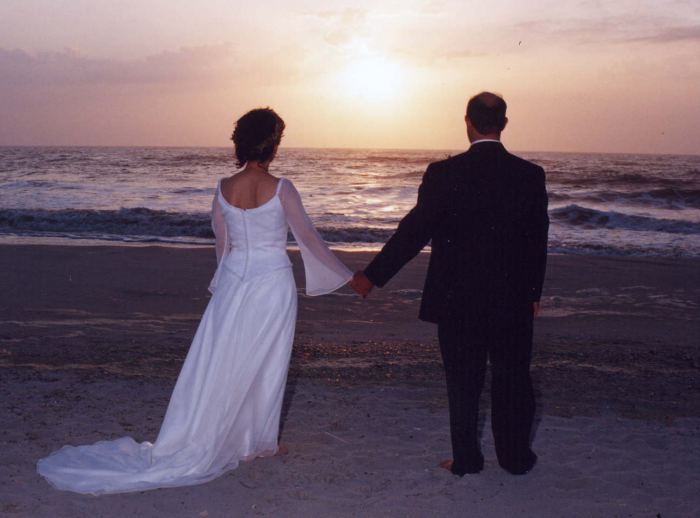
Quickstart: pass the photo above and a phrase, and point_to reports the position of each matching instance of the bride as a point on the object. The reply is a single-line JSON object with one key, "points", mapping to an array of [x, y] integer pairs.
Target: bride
{"points": [[226, 404]]}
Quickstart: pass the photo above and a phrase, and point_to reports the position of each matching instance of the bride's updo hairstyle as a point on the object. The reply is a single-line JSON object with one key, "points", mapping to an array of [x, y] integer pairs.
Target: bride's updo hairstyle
{"points": [[256, 135]]}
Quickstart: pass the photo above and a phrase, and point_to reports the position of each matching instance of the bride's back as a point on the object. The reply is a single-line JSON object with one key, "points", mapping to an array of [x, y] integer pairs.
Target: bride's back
{"points": [[249, 189]]}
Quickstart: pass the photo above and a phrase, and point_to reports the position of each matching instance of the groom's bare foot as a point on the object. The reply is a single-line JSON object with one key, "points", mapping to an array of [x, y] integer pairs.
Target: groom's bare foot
{"points": [[471, 469], [447, 464]]}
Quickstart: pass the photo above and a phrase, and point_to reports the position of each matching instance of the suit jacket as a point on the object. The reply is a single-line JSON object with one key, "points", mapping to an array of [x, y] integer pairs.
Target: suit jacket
{"points": [[485, 211]]}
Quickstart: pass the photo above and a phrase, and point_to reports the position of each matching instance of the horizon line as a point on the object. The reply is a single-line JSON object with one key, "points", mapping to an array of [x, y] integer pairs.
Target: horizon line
{"points": [[338, 148]]}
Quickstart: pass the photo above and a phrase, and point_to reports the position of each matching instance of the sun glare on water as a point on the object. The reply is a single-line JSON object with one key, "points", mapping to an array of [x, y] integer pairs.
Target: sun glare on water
{"points": [[371, 79]]}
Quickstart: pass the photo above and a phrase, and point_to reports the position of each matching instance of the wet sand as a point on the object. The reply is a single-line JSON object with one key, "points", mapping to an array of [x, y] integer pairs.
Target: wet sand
{"points": [[92, 339]]}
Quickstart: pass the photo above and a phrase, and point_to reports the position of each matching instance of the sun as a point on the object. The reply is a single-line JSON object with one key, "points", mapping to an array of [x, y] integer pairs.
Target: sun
{"points": [[370, 79]]}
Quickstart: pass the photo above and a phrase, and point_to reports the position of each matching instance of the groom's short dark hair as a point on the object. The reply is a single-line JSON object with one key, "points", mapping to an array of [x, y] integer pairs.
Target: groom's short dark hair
{"points": [[487, 112]]}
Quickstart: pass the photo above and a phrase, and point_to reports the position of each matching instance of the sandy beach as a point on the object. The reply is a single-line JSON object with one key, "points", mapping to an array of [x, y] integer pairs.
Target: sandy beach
{"points": [[92, 340]]}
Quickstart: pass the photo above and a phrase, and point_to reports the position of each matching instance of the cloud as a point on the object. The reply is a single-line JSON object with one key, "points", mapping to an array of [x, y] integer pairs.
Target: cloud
{"points": [[349, 14], [68, 67], [672, 35], [573, 30], [340, 26], [345, 26], [178, 97], [461, 54], [609, 30], [428, 57]]}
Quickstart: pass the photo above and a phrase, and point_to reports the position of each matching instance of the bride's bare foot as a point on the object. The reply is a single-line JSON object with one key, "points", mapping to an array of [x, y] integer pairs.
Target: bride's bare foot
{"points": [[282, 449], [447, 464]]}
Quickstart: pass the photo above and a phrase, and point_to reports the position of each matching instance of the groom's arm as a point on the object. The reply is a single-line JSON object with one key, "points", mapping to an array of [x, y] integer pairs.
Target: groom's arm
{"points": [[413, 233], [538, 229]]}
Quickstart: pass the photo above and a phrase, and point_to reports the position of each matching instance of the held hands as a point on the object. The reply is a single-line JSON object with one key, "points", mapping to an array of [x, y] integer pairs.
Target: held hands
{"points": [[361, 284], [535, 309]]}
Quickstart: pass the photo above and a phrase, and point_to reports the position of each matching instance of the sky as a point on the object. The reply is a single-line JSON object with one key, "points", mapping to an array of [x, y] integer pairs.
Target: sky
{"points": [[588, 76]]}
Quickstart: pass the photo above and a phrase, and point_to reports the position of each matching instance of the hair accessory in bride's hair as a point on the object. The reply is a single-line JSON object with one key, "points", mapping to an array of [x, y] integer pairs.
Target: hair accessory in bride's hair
{"points": [[273, 140], [257, 134]]}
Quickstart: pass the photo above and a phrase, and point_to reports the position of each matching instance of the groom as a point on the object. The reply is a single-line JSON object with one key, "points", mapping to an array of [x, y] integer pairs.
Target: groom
{"points": [[485, 212]]}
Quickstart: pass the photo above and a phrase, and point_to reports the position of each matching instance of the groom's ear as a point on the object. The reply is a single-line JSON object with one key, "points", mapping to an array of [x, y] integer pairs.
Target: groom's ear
{"points": [[505, 123]]}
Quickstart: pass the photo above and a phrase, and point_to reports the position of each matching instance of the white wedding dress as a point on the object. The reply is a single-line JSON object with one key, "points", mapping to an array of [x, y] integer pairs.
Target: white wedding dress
{"points": [[227, 400]]}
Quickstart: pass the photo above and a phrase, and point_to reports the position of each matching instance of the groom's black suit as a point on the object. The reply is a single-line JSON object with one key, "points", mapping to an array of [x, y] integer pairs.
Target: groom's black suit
{"points": [[485, 211]]}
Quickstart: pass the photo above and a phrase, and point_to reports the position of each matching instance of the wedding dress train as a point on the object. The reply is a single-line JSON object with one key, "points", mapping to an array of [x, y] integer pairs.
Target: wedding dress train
{"points": [[228, 397]]}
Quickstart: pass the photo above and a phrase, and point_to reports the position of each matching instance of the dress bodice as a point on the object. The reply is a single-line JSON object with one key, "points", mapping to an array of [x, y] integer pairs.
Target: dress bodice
{"points": [[251, 242], [257, 238]]}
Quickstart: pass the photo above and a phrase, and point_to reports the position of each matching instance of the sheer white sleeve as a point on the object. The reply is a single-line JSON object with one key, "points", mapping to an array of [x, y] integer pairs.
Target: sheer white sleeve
{"points": [[218, 225], [324, 271]]}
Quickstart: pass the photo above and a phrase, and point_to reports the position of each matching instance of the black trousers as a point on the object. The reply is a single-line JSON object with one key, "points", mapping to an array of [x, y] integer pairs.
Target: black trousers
{"points": [[505, 340]]}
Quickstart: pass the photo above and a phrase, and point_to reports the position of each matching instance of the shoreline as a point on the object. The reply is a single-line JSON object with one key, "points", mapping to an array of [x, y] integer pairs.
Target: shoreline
{"points": [[367, 248], [353, 247]]}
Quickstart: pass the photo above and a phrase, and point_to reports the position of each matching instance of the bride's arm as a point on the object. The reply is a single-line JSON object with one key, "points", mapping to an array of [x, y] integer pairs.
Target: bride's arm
{"points": [[324, 271], [218, 225]]}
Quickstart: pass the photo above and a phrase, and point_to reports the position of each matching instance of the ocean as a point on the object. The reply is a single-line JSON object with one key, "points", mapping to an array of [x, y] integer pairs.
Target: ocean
{"points": [[601, 204]]}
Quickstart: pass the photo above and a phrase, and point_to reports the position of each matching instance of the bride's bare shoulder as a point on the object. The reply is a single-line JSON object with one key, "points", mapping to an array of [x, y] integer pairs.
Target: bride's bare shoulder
{"points": [[242, 178], [249, 190], [227, 181]]}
